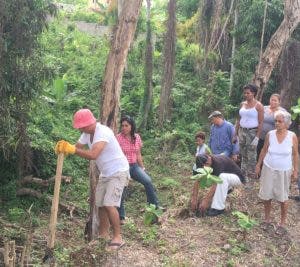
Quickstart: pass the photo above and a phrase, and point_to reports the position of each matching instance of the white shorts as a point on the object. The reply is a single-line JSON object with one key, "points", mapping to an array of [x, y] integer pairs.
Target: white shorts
{"points": [[109, 189]]}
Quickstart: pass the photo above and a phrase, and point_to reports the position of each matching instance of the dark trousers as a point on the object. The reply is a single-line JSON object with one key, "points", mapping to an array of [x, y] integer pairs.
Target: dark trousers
{"points": [[259, 147]]}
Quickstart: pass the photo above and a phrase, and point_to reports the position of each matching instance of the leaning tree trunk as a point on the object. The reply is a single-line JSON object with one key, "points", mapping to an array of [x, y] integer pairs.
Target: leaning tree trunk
{"points": [[216, 27], [276, 44], [92, 225], [290, 74], [233, 48], [110, 95], [169, 65], [120, 7], [146, 103], [111, 88]]}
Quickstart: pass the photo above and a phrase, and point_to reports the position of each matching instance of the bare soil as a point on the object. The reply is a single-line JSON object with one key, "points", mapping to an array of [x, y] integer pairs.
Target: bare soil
{"points": [[181, 238]]}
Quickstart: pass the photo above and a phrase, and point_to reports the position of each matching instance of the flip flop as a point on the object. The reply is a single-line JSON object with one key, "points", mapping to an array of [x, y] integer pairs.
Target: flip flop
{"points": [[267, 226], [281, 231], [114, 246]]}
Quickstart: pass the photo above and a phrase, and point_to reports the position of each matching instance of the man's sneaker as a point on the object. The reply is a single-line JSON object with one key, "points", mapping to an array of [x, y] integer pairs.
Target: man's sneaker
{"points": [[230, 191], [214, 212]]}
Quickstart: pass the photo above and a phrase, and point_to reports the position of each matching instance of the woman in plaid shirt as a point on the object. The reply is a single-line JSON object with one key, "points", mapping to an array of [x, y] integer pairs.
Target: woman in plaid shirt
{"points": [[131, 145]]}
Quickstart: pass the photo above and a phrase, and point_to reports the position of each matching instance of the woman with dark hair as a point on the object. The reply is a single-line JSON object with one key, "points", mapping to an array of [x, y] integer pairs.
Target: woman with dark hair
{"points": [[269, 121], [248, 128], [131, 145]]}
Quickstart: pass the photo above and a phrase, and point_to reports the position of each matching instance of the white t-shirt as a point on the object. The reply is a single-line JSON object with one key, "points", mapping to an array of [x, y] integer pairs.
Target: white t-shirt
{"points": [[111, 158]]}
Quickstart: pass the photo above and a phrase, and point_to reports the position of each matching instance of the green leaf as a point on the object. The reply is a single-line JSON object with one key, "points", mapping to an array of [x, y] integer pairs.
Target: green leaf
{"points": [[148, 218], [216, 179], [59, 89], [208, 169], [202, 183], [201, 170]]}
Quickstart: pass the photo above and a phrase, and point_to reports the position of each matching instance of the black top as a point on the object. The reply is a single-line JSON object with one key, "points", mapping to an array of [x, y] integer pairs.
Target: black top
{"points": [[224, 164]]}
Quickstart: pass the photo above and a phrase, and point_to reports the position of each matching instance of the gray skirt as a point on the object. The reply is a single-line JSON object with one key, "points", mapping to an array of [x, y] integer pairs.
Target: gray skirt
{"points": [[274, 184]]}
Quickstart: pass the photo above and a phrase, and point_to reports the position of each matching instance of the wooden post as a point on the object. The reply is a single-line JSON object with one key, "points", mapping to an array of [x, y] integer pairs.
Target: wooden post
{"points": [[10, 253], [55, 200]]}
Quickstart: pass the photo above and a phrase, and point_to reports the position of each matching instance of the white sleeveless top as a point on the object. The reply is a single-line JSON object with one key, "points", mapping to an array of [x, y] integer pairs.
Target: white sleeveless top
{"points": [[279, 156], [249, 117], [201, 150]]}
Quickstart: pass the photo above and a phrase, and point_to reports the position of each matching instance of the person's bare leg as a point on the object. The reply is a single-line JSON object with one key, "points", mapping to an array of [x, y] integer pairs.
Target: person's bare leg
{"points": [[267, 206], [284, 210], [113, 216], [104, 223]]}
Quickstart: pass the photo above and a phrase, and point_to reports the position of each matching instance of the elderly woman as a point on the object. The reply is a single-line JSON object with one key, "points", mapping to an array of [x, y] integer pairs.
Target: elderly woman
{"points": [[248, 128], [279, 157], [268, 122]]}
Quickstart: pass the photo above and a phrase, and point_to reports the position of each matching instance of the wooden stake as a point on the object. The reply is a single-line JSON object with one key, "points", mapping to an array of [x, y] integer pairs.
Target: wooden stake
{"points": [[55, 200]]}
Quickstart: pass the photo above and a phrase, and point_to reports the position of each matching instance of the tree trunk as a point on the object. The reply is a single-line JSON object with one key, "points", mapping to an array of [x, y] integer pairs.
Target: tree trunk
{"points": [[290, 74], [146, 103], [92, 225], [111, 88], [232, 68], [276, 44], [120, 7], [216, 29], [169, 66], [224, 26]]}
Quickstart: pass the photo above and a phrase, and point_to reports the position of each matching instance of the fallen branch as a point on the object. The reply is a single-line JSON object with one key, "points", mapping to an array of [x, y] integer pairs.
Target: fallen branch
{"points": [[63, 206], [10, 225], [41, 182]]}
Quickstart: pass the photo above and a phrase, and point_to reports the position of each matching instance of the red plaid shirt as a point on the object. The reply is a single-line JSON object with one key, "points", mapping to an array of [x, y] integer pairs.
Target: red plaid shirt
{"points": [[130, 149]]}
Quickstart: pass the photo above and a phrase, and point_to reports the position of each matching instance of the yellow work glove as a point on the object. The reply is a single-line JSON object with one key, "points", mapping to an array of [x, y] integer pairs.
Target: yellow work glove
{"points": [[59, 147], [65, 147]]}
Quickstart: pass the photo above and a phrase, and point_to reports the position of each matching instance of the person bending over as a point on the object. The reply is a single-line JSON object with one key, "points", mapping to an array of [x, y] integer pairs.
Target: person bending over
{"points": [[104, 148], [213, 203]]}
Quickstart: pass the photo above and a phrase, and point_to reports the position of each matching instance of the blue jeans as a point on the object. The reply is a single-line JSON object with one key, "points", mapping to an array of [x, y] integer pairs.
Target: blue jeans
{"points": [[139, 175]]}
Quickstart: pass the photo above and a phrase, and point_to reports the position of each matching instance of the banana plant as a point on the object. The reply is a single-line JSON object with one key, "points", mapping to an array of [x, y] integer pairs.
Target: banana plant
{"points": [[206, 178], [152, 213], [245, 222]]}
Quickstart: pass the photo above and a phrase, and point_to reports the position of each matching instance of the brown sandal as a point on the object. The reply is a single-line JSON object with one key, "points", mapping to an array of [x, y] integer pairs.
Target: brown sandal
{"points": [[281, 231], [267, 226]]}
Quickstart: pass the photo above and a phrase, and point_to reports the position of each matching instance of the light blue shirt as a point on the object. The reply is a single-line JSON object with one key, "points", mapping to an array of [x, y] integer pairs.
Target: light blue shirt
{"points": [[220, 141]]}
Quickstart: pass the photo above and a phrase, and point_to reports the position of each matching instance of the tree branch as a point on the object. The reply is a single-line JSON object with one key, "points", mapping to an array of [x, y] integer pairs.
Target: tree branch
{"points": [[41, 182], [69, 208]]}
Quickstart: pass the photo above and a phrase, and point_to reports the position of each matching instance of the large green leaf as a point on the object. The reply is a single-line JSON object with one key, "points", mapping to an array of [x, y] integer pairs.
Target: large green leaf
{"points": [[206, 178], [59, 89], [244, 221]]}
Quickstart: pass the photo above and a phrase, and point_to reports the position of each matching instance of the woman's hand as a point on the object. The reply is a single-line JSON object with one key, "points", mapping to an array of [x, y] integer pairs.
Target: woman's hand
{"points": [[294, 176], [257, 170]]}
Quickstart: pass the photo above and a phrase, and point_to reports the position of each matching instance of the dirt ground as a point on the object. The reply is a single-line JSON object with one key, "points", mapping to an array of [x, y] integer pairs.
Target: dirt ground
{"points": [[181, 238]]}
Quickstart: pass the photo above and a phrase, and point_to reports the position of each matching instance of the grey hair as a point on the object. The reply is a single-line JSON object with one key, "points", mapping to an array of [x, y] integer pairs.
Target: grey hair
{"points": [[286, 117]]}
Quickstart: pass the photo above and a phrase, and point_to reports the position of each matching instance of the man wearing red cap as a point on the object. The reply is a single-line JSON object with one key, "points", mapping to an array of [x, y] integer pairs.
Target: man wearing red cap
{"points": [[112, 164]]}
